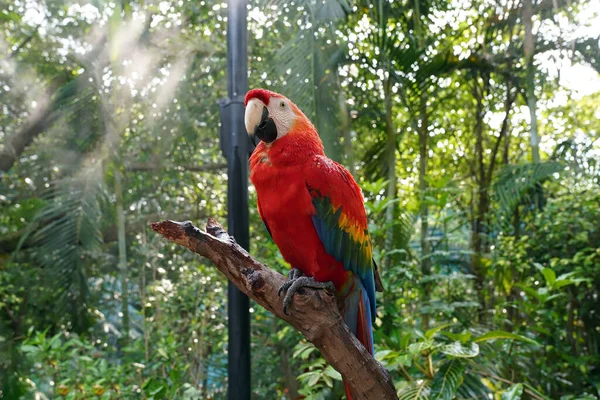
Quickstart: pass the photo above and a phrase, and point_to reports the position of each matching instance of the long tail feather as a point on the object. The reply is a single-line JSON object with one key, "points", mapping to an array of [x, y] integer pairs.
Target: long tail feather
{"points": [[358, 317]]}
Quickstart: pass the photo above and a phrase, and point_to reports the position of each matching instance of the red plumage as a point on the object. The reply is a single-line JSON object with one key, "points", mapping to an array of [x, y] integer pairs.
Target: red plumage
{"points": [[286, 206], [315, 214]]}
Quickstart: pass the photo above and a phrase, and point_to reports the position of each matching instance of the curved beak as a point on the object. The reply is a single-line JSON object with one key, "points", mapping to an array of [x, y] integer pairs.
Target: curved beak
{"points": [[258, 122], [253, 115]]}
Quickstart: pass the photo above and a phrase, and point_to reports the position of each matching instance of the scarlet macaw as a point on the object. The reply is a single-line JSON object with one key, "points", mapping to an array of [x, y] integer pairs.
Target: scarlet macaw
{"points": [[313, 210]]}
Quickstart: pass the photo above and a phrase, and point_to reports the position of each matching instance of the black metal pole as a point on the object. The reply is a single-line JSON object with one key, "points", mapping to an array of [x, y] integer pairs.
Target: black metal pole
{"points": [[235, 145]]}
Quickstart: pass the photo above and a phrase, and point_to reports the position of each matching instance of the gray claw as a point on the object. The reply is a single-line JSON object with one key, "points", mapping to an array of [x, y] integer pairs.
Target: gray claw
{"points": [[292, 286], [292, 275]]}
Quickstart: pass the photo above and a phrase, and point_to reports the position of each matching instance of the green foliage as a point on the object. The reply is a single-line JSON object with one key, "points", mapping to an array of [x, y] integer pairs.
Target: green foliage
{"points": [[503, 335], [516, 183], [559, 267], [447, 380], [513, 393], [502, 304], [66, 231], [415, 391]]}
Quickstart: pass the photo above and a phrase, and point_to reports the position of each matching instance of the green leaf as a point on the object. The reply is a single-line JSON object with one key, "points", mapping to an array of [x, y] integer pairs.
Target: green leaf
{"points": [[55, 341], [461, 337], [328, 381], [158, 390], [569, 278], [163, 353], [329, 371], [29, 349], [431, 333], [191, 393], [417, 348], [456, 349], [447, 380], [304, 351], [147, 383], [404, 360], [417, 390], [513, 393], [504, 335], [380, 355], [313, 379], [550, 276]]}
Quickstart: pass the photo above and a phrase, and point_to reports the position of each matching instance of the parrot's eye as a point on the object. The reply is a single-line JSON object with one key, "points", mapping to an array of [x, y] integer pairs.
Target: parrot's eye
{"points": [[282, 104]]}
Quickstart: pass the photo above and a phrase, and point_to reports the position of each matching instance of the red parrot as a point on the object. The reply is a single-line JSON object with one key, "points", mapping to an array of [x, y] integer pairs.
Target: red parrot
{"points": [[313, 209]]}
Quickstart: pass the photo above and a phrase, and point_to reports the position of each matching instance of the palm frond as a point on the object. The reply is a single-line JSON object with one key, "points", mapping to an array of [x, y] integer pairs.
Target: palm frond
{"points": [[404, 228], [374, 157], [299, 60], [295, 64], [515, 182], [330, 10], [65, 232], [322, 11]]}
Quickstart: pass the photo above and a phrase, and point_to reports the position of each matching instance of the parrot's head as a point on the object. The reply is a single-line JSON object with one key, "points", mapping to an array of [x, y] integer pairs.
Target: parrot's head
{"points": [[271, 116]]}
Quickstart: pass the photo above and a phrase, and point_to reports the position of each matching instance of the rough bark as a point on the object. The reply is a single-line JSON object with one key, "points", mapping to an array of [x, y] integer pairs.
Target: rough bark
{"points": [[313, 313]]}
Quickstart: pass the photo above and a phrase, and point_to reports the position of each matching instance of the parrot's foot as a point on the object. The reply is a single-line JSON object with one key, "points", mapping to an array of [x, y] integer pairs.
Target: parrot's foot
{"points": [[297, 280], [294, 274]]}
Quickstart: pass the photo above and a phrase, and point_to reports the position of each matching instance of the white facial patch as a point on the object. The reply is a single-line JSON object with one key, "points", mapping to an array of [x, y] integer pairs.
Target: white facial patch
{"points": [[282, 114]]}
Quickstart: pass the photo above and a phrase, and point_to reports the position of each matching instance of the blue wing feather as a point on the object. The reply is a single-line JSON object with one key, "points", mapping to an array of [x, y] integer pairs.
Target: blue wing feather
{"points": [[341, 245]]}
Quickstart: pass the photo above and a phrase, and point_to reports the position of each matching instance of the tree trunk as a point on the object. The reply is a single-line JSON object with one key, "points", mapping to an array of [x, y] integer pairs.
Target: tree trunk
{"points": [[478, 228], [346, 132], [423, 206], [529, 49], [122, 255], [390, 151]]}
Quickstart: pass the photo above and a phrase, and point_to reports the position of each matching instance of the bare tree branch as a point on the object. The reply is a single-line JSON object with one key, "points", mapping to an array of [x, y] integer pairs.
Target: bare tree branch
{"points": [[315, 314]]}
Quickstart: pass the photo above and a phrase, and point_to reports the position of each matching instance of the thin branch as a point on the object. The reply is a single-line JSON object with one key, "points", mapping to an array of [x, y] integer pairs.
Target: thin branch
{"points": [[314, 313], [23, 43], [503, 130]]}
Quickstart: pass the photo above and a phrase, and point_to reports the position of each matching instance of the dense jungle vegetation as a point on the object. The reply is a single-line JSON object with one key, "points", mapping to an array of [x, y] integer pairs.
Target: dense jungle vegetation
{"points": [[472, 128]]}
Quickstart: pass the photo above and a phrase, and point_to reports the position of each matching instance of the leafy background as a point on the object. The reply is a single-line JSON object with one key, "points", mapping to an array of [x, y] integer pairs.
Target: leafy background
{"points": [[471, 127]]}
